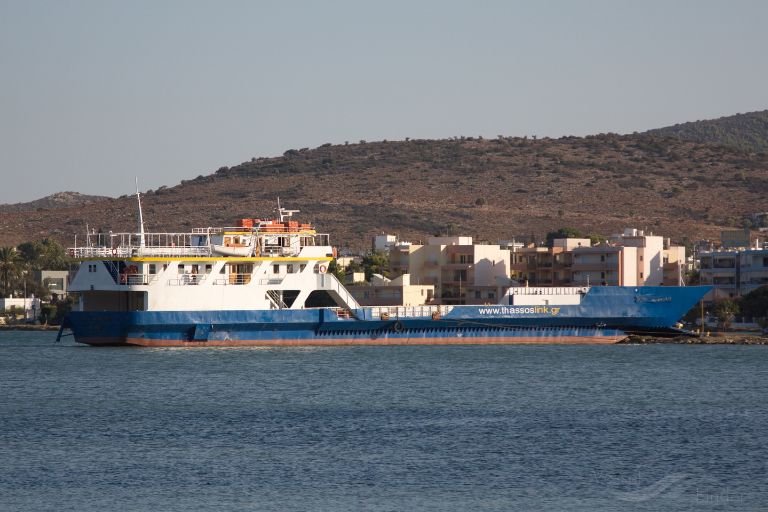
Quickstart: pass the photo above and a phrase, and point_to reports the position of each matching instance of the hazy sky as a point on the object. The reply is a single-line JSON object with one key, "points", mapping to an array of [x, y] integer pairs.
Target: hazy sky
{"points": [[93, 93]]}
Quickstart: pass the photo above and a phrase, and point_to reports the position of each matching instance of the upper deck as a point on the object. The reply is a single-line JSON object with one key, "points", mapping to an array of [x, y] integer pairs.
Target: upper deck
{"points": [[262, 240]]}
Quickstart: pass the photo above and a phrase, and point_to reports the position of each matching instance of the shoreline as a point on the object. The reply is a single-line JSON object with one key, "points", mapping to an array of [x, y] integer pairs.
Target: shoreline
{"points": [[719, 339], [30, 327]]}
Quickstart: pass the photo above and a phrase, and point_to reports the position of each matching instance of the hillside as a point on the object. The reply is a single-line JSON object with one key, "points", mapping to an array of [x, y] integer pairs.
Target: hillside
{"points": [[491, 189], [748, 132], [53, 201]]}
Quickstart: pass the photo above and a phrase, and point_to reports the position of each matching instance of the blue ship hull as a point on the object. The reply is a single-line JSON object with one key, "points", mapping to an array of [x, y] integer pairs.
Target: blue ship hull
{"points": [[605, 315]]}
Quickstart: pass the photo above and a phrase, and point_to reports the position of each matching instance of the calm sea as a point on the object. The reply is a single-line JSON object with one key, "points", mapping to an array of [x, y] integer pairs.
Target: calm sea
{"points": [[382, 428]]}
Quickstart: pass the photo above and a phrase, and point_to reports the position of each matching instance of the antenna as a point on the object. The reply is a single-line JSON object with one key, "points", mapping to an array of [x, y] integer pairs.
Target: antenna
{"points": [[141, 215], [283, 213]]}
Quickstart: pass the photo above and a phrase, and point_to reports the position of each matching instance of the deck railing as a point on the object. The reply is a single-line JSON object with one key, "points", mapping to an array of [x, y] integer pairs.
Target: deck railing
{"points": [[395, 312]]}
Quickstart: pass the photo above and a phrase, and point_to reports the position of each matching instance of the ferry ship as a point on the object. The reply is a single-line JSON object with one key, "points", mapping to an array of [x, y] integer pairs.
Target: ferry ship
{"points": [[266, 283]]}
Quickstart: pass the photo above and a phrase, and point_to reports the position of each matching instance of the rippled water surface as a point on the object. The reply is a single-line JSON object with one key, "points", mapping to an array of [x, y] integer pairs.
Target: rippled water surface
{"points": [[382, 428]]}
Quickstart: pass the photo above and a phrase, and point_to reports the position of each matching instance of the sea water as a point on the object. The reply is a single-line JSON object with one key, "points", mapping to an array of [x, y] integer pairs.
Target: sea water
{"points": [[451, 428]]}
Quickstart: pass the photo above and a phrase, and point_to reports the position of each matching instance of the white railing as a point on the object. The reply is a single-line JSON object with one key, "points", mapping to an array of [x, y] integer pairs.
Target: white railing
{"points": [[137, 252], [187, 279], [171, 251], [542, 290], [136, 279], [233, 279], [331, 283], [394, 312]]}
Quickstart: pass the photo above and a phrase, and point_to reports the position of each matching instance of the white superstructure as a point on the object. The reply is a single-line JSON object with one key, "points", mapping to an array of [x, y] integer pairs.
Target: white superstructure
{"points": [[257, 265]]}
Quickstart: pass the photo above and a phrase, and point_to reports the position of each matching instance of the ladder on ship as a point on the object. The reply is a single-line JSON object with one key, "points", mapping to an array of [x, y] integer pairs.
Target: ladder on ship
{"points": [[275, 298]]}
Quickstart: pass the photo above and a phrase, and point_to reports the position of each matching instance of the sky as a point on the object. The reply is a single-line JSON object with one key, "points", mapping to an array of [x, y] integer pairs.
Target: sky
{"points": [[94, 94]]}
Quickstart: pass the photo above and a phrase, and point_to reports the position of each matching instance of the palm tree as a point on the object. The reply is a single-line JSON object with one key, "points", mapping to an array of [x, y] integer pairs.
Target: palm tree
{"points": [[10, 268]]}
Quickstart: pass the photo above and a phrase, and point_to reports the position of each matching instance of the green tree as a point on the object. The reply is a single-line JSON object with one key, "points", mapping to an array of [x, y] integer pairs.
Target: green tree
{"points": [[562, 233], [597, 239], [335, 269], [54, 256], [725, 311], [755, 303], [11, 266], [376, 263], [47, 254]]}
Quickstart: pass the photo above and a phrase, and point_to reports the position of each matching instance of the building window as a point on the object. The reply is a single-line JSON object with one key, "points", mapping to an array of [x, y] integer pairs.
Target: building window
{"points": [[641, 275], [641, 258], [477, 294], [491, 295], [602, 275], [602, 257]]}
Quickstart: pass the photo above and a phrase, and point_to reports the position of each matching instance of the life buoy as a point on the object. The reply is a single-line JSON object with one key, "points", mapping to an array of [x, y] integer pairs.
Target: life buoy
{"points": [[397, 326], [114, 251], [323, 269]]}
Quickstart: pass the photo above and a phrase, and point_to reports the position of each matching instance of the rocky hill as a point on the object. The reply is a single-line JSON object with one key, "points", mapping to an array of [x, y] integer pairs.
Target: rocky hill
{"points": [[491, 189], [742, 131], [57, 200]]}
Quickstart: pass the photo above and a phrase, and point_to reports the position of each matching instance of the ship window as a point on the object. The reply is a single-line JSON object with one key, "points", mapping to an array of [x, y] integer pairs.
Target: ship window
{"points": [[223, 269], [275, 269], [165, 267], [302, 267], [152, 268], [208, 269], [290, 268], [602, 275], [180, 269]]}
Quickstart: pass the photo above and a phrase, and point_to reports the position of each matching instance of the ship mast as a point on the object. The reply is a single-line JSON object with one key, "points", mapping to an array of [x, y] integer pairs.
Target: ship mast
{"points": [[142, 244]]}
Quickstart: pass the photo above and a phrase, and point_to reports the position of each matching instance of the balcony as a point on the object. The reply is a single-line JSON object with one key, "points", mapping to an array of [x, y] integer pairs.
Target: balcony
{"points": [[457, 266], [597, 266]]}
